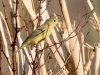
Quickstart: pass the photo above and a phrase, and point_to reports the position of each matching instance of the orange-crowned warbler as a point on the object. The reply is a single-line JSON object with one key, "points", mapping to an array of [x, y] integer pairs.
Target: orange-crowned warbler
{"points": [[40, 33]]}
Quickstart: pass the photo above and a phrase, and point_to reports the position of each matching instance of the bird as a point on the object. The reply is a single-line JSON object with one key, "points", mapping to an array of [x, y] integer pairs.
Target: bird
{"points": [[40, 33]]}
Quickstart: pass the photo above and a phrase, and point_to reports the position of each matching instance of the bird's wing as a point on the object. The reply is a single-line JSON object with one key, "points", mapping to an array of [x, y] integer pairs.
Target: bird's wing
{"points": [[39, 30], [36, 32]]}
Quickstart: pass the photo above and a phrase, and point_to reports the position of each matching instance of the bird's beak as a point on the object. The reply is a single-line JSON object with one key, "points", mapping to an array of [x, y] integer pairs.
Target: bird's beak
{"points": [[60, 21]]}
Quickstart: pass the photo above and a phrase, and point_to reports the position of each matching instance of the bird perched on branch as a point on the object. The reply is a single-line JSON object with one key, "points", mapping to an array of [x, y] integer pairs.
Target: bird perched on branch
{"points": [[40, 33]]}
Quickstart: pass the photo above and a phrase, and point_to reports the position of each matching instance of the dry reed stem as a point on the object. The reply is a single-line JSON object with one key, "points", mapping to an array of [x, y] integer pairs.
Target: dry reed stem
{"points": [[10, 3], [43, 16], [6, 27], [87, 68], [97, 61], [73, 25], [83, 50], [94, 15], [56, 38], [65, 12], [19, 56], [58, 58], [5, 45], [91, 56], [73, 42], [64, 36], [32, 13], [89, 46]]}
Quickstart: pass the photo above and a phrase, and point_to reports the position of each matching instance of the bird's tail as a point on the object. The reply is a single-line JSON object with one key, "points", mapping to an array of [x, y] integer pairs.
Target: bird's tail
{"points": [[23, 45], [18, 50]]}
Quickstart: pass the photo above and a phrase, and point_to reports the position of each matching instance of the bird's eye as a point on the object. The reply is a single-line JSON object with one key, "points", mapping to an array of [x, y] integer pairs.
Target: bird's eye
{"points": [[54, 20]]}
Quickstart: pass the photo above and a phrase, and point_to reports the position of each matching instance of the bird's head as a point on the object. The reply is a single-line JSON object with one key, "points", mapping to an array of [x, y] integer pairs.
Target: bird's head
{"points": [[53, 20]]}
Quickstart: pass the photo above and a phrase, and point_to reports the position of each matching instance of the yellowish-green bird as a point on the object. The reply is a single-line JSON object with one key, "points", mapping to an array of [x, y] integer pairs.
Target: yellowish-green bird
{"points": [[40, 33]]}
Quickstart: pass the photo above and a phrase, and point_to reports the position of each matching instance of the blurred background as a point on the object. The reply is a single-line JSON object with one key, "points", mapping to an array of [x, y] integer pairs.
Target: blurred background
{"points": [[76, 8]]}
